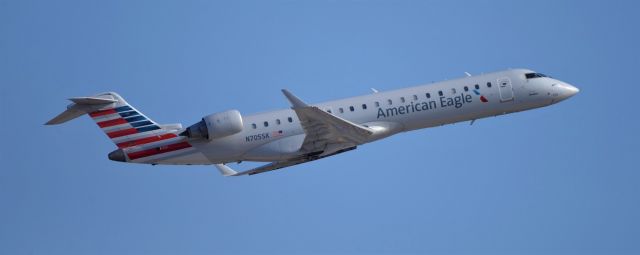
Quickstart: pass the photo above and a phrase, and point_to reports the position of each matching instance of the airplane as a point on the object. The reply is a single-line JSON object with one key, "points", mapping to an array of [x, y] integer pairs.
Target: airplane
{"points": [[307, 132]]}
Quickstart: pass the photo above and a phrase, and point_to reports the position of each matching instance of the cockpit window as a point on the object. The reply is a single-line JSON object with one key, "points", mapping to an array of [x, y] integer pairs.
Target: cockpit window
{"points": [[534, 75]]}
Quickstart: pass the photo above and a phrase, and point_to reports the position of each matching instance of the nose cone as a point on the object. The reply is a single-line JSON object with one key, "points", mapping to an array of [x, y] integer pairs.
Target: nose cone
{"points": [[117, 155], [566, 90]]}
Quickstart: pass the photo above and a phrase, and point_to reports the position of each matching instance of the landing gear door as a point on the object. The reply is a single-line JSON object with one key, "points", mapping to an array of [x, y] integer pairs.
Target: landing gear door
{"points": [[506, 90]]}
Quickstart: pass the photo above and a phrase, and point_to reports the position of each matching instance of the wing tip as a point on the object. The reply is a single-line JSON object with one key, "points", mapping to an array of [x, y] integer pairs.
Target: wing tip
{"points": [[225, 170], [295, 101]]}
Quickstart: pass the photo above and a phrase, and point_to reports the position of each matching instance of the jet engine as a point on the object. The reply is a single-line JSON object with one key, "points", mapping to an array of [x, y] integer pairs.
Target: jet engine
{"points": [[216, 125]]}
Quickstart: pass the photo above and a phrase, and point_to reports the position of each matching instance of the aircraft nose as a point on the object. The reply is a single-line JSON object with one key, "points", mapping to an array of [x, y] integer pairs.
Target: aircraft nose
{"points": [[567, 90], [571, 90]]}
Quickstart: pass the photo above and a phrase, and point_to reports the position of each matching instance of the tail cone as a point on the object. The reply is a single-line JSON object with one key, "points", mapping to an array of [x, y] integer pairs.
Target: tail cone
{"points": [[117, 155]]}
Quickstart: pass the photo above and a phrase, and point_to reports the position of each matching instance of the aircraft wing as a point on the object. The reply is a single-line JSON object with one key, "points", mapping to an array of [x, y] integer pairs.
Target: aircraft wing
{"points": [[326, 135], [325, 131], [227, 171]]}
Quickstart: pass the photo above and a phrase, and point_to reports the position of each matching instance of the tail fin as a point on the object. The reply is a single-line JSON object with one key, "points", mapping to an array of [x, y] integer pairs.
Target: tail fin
{"points": [[121, 122]]}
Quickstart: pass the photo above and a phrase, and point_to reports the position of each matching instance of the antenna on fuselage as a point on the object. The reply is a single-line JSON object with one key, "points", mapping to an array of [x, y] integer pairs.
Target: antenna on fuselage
{"points": [[468, 74], [374, 90]]}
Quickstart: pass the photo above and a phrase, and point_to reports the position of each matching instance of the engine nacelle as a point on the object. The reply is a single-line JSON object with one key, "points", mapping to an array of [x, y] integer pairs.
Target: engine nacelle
{"points": [[216, 125]]}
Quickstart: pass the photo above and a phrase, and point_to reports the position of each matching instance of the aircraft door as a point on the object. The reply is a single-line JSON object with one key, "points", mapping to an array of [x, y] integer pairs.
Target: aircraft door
{"points": [[506, 89]]}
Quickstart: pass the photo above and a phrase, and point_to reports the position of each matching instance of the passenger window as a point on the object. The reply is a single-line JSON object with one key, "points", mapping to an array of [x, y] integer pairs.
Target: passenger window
{"points": [[278, 121], [377, 104], [466, 88], [290, 119], [266, 123], [341, 110], [415, 98], [440, 93], [477, 86], [364, 106], [402, 99], [488, 84], [453, 91], [351, 108], [254, 126], [389, 101], [428, 95]]}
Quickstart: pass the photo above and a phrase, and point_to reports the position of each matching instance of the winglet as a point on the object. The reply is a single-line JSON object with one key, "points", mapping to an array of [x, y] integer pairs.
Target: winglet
{"points": [[295, 101], [225, 170]]}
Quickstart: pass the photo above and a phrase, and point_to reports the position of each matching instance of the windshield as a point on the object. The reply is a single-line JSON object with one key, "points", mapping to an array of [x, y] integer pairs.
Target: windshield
{"points": [[534, 75]]}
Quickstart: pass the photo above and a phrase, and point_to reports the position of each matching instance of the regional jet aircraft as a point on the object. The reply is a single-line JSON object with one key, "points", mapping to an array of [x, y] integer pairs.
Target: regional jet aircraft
{"points": [[307, 132]]}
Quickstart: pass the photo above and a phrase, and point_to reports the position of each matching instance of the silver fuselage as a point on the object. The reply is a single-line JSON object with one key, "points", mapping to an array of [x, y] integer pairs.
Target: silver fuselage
{"points": [[464, 99]]}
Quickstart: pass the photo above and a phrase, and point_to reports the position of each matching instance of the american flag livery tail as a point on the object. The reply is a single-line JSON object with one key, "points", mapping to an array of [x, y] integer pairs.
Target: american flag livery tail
{"points": [[137, 136], [126, 126]]}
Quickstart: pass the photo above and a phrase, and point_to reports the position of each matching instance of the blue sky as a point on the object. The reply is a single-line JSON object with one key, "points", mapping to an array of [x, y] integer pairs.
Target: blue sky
{"points": [[558, 180]]}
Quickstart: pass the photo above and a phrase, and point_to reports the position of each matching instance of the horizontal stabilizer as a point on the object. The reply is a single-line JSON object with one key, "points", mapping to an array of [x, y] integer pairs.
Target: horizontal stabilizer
{"points": [[80, 106], [92, 100], [65, 116]]}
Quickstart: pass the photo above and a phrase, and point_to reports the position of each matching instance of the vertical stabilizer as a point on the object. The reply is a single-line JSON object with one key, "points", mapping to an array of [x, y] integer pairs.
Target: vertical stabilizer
{"points": [[121, 122]]}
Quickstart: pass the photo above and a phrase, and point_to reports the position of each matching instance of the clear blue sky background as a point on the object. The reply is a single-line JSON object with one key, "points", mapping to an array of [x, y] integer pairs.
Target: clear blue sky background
{"points": [[558, 180]]}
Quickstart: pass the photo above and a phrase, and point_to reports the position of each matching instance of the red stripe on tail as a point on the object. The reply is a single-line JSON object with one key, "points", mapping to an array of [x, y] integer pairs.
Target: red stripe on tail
{"points": [[158, 150], [112, 122], [123, 132], [101, 113], [146, 140]]}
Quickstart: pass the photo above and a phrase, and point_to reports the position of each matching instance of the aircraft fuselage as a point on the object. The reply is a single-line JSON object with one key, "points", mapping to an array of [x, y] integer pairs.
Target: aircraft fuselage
{"points": [[277, 135]]}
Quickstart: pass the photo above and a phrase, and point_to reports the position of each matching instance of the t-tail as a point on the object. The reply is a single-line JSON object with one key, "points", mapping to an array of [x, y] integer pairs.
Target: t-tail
{"points": [[138, 138]]}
